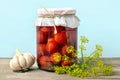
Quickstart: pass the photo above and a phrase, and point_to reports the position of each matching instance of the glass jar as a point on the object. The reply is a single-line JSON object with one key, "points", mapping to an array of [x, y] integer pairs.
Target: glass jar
{"points": [[56, 28]]}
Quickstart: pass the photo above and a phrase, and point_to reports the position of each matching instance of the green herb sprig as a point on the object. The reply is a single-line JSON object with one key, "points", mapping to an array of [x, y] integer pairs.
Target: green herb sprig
{"points": [[86, 66]]}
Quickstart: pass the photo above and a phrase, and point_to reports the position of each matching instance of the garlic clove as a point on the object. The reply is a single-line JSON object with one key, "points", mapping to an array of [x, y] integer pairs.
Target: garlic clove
{"points": [[14, 64], [11, 66], [32, 57], [22, 61], [29, 59]]}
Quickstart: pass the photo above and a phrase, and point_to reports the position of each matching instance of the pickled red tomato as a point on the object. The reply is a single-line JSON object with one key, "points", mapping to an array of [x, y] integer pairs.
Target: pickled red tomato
{"points": [[51, 46], [45, 30], [41, 49], [43, 61], [64, 51], [60, 28], [61, 38], [41, 37], [66, 63]]}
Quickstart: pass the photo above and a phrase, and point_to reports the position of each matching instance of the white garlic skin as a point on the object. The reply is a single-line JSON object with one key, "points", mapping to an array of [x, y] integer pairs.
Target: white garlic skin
{"points": [[22, 61], [14, 65]]}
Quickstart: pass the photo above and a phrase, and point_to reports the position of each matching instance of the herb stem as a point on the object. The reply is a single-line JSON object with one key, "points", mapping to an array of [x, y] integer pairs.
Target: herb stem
{"points": [[82, 53]]}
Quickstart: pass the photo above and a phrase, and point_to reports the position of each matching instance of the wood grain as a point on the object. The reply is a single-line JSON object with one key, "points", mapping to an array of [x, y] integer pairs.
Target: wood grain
{"points": [[35, 74]]}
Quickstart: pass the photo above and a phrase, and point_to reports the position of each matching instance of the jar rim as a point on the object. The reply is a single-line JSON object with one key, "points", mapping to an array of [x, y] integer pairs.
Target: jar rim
{"points": [[56, 11]]}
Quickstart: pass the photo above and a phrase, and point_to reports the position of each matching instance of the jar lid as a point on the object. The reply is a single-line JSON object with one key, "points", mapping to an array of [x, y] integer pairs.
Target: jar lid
{"points": [[56, 11]]}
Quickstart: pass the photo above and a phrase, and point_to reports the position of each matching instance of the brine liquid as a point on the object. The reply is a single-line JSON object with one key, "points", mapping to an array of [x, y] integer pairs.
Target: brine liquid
{"points": [[46, 46]]}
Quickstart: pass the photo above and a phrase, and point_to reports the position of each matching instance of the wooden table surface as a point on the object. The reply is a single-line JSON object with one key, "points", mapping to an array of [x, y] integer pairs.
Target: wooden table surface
{"points": [[35, 74]]}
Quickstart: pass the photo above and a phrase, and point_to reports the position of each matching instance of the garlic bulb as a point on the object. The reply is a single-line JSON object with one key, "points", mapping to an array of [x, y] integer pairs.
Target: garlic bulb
{"points": [[21, 61]]}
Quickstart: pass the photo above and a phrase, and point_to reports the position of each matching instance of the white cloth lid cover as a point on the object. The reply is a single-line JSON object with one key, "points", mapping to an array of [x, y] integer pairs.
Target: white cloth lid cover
{"points": [[69, 20], [56, 11]]}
